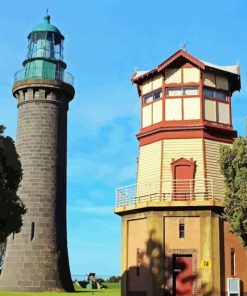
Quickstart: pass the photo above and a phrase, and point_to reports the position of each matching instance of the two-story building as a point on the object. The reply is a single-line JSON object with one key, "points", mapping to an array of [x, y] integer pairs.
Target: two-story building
{"points": [[174, 240]]}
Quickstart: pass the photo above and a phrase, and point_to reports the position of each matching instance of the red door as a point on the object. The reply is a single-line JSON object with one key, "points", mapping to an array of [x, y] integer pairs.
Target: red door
{"points": [[182, 175], [182, 275]]}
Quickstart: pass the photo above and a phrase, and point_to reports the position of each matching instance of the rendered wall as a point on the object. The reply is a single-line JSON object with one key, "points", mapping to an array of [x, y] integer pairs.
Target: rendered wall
{"points": [[232, 241], [137, 266]]}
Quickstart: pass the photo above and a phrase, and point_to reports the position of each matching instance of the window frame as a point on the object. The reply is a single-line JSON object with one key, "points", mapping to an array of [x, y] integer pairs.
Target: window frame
{"points": [[183, 88], [152, 94], [181, 230], [214, 97]]}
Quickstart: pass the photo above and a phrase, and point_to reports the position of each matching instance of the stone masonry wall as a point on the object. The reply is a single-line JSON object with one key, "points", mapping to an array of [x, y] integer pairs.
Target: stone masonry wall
{"points": [[36, 258]]}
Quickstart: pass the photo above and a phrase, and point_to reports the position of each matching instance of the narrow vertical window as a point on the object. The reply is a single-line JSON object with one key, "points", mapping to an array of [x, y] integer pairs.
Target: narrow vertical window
{"points": [[13, 235], [181, 230], [232, 262], [32, 230], [137, 261]]}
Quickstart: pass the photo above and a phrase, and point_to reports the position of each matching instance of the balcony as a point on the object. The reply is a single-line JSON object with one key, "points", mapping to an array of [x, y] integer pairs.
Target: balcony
{"points": [[171, 193], [44, 73]]}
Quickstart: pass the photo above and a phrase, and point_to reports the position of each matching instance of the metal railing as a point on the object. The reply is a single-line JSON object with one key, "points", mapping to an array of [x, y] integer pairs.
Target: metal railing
{"points": [[170, 190], [45, 73]]}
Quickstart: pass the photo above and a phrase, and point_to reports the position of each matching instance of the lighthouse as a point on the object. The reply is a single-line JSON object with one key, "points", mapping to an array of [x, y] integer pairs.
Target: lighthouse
{"points": [[36, 258], [174, 239]]}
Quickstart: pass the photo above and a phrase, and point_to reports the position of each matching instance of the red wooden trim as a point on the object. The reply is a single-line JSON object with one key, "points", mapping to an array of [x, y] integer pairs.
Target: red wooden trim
{"points": [[200, 134], [183, 96], [176, 55], [163, 99], [182, 84], [204, 158], [215, 100], [201, 97]]}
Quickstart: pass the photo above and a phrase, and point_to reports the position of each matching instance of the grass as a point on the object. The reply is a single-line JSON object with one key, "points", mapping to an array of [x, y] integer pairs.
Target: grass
{"points": [[113, 290]]}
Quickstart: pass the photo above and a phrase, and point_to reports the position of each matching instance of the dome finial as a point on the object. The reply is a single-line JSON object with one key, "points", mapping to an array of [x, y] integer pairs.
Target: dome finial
{"points": [[47, 17]]}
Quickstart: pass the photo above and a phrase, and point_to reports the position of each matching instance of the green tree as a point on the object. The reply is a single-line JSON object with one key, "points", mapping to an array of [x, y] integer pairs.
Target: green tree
{"points": [[11, 207], [233, 163]]}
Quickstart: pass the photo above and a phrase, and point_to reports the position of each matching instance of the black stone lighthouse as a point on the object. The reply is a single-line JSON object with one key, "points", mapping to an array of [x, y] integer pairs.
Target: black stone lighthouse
{"points": [[36, 258]]}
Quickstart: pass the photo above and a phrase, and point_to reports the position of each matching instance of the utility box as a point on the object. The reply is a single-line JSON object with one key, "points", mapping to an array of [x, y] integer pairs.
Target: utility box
{"points": [[233, 287]]}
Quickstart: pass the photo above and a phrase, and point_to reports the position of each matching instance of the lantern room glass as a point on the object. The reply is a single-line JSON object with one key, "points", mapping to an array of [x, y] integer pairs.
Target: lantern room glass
{"points": [[45, 45]]}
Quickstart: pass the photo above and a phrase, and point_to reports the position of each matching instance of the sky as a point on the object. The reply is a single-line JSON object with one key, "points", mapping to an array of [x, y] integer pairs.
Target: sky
{"points": [[105, 40]]}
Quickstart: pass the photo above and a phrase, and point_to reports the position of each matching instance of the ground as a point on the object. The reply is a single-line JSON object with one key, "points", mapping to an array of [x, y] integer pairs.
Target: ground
{"points": [[113, 290]]}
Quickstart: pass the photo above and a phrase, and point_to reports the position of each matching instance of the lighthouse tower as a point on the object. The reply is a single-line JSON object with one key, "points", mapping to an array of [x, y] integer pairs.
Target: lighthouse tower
{"points": [[36, 258], [174, 240]]}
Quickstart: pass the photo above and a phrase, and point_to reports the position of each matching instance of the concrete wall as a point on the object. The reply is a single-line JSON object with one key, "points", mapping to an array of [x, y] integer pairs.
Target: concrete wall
{"points": [[155, 233]]}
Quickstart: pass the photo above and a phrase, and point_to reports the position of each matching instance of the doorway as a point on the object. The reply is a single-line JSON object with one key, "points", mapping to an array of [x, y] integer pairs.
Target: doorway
{"points": [[182, 275]]}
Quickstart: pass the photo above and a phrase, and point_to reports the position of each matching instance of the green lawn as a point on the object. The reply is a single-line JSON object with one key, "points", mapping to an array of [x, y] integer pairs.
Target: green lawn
{"points": [[113, 290]]}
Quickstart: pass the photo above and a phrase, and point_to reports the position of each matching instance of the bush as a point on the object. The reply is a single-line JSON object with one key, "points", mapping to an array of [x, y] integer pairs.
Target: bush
{"points": [[114, 279]]}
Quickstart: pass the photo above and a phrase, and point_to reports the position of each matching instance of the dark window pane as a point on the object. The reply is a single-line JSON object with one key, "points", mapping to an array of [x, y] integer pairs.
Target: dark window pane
{"points": [[221, 95], [181, 230], [157, 95], [207, 92]]}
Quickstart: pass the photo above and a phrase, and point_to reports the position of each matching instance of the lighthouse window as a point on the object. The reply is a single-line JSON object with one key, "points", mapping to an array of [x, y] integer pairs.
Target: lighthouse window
{"points": [[182, 91], [152, 96], [215, 94], [32, 230]]}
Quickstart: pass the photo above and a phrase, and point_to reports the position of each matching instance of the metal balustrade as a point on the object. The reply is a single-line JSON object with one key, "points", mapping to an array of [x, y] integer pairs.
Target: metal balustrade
{"points": [[170, 190], [44, 73]]}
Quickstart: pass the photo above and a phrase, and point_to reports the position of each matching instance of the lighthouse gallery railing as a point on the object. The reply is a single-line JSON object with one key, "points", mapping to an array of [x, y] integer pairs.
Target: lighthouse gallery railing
{"points": [[171, 190], [45, 73]]}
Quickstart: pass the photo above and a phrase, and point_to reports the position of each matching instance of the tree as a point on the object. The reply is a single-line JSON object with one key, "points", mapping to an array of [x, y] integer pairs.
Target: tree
{"points": [[11, 207], [233, 163]]}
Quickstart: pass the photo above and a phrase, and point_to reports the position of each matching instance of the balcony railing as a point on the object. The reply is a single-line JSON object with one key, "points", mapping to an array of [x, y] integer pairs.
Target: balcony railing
{"points": [[44, 73], [171, 190]]}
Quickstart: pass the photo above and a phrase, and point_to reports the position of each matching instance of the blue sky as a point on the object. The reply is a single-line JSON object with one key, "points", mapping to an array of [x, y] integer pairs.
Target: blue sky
{"points": [[104, 41]]}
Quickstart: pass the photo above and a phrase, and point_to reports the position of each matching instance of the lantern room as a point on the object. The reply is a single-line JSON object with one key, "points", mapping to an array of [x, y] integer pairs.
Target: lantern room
{"points": [[45, 54]]}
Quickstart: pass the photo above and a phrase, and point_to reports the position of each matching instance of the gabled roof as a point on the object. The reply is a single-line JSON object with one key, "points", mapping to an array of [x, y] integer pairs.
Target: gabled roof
{"points": [[181, 54], [180, 57]]}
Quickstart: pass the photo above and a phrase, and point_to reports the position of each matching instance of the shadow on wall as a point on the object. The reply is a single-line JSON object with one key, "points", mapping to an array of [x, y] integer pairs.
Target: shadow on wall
{"points": [[158, 274]]}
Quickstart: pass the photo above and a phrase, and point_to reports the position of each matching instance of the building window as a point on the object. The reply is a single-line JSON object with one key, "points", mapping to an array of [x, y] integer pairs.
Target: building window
{"points": [[182, 91], [181, 230], [232, 262], [32, 230], [215, 94], [152, 96], [138, 262]]}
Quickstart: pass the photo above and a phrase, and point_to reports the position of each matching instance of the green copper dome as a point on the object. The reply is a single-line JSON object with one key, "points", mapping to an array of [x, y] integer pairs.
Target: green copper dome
{"points": [[46, 26]]}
